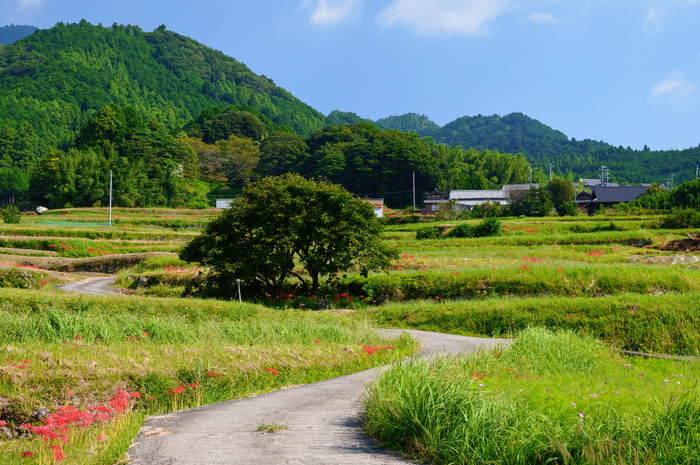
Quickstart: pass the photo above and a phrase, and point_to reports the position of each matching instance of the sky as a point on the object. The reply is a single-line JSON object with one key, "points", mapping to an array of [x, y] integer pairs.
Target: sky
{"points": [[626, 72]]}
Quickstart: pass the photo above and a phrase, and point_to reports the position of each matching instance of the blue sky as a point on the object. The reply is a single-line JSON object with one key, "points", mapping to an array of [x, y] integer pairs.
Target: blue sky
{"points": [[623, 71]]}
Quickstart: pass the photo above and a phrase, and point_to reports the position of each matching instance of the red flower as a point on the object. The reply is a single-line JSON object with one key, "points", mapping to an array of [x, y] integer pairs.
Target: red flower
{"points": [[78, 336], [28, 454], [273, 371], [146, 333], [317, 340]]}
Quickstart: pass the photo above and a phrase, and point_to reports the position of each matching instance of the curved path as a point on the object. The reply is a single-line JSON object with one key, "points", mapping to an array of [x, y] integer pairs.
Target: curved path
{"points": [[322, 422], [95, 286]]}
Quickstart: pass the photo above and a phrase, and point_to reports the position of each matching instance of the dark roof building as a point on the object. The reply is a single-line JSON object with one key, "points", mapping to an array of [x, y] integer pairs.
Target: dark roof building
{"points": [[606, 197]]}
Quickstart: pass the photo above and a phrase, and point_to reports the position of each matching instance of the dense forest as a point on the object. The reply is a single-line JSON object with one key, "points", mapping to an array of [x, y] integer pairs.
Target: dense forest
{"points": [[225, 147], [12, 33], [55, 80], [518, 133]]}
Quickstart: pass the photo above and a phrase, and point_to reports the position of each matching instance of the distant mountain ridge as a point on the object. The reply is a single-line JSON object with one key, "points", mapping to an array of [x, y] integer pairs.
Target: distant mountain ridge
{"points": [[13, 33], [542, 145]]}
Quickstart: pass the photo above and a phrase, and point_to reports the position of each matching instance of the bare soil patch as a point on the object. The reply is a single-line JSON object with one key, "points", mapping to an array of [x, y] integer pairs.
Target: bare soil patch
{"points": [[691, 244], [665, 259]]}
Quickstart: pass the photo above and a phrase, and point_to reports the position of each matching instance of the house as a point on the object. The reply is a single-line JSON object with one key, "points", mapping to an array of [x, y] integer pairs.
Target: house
{"points": [[468, 199], [520, 187], [378, 205], [582, 200], [434, 202], [223, 203], [517, 191], [606, 197], [596, 182]]}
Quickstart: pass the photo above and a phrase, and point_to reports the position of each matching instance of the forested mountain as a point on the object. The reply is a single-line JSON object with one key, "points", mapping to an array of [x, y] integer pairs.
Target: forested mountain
{"points": [[347, 117], [12, 33], [410, 122], [55, 80], [518, 133]]}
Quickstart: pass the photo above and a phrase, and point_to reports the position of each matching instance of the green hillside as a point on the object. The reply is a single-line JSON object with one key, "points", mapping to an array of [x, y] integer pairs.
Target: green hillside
{"points": [[411, 122], [12, 33], [55, 80], [518, 133], [347, 117]]}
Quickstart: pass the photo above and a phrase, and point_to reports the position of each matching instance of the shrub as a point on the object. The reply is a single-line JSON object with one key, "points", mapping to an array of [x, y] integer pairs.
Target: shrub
{"points": [[681, 218], [567, 209], [432, 232], [10, 214], [487, 228], [462, 230]]}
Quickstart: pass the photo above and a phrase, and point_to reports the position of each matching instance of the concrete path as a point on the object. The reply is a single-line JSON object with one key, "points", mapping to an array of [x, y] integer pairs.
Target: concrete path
{"points": [[95, 286], [321, 419]]}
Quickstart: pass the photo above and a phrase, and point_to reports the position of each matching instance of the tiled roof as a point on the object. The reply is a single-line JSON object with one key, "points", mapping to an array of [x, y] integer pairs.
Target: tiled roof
{"points": [[520, 187], [479, 195], [617, 194]]}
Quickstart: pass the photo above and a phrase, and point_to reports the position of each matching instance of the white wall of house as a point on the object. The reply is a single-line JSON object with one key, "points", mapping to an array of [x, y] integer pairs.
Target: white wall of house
{"points": [[223, 203]]}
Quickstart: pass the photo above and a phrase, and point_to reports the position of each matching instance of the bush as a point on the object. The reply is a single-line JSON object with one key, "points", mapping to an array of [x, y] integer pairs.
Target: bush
{"points": [[432, 232], [681, 218], [567, 209], [487, 228], [10, 214], [463, 230]]}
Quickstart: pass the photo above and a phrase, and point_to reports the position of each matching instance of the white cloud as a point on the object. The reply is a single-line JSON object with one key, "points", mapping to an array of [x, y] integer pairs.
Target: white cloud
{"points": [[469, 17], [674, 85], [29, 4], [548, 18], [23, 9], [331, 11], [653, 18]]}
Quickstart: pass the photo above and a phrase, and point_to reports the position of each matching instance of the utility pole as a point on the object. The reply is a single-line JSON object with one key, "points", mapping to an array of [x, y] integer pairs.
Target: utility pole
{"points": [[414, 192], [604, 176], [696, 172], [550, 171], [110, 198], [530, 178]]}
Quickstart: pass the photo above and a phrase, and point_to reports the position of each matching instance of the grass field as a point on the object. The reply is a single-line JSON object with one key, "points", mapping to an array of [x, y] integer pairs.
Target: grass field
{"points": [[606, 279]]}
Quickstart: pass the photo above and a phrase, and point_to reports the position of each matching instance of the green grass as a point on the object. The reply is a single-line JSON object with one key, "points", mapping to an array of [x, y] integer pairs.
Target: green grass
{"points": [[549, 398], [71, 350], [663, 324], [579, 274]]}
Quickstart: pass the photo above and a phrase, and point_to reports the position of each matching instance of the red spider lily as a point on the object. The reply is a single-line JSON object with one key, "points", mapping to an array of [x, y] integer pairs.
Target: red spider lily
{"points": [[58, 453], [317, 341], [213, 373], [28, 454], [3, 423], [78, 336], [146, 333], [273, 371]]}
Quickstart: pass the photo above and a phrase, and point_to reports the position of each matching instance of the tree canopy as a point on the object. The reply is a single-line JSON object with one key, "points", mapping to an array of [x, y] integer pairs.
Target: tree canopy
{"points": [[283, 222]]}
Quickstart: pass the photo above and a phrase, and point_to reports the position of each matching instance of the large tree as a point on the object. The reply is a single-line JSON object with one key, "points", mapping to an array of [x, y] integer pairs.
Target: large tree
{"points": [[281, 225], [562, 191]]}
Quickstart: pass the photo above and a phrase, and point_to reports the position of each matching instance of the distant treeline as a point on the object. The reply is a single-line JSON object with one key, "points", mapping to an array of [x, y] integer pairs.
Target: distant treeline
{"points": [[518, 133], [13, 33], [225, 147]]}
